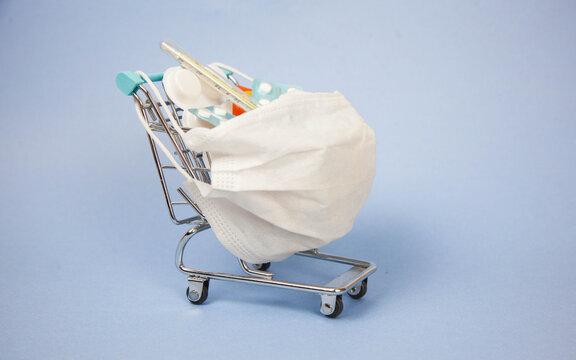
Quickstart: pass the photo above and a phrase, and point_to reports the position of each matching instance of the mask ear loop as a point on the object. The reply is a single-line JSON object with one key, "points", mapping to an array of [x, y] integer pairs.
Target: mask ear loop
{"points": [[151, 133], [229, 71], [159, 96]]}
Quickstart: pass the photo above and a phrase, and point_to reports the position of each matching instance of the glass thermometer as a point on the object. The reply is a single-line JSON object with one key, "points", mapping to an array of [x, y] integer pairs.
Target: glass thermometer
{"points": [[235, 95]]}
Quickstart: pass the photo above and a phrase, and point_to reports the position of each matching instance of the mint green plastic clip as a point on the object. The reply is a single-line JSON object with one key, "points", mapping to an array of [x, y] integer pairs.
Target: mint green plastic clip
{"points": [[128, 81]]}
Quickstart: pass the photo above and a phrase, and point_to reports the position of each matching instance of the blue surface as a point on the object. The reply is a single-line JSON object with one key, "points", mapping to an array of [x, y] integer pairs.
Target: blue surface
{"points": [[472, 219]]}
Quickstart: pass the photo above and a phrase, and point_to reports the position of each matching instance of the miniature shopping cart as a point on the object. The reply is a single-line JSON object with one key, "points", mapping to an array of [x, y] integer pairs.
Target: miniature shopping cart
{"points": [[197, 165]]}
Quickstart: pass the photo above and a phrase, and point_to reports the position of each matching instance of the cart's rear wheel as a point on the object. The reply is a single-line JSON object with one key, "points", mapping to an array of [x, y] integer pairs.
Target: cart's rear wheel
{"points": [[261, 267], [194, 297], [359, 290], [333, 310]]}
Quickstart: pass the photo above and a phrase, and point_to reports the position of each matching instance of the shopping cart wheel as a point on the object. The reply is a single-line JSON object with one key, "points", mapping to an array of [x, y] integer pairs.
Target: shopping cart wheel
{"points": [[359, 290], [261, 267], [197, 291], [332, 305]]}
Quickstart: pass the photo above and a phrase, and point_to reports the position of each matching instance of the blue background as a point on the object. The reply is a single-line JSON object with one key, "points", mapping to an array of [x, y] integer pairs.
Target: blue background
{"points": [[472, 218]]}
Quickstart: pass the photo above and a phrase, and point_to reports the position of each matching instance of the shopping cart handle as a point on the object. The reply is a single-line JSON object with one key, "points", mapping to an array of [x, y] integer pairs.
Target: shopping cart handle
{"points": [[128, 81]]}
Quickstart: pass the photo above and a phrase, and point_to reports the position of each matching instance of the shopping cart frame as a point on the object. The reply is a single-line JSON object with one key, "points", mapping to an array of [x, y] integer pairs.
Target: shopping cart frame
{"points": [[354, 281]]}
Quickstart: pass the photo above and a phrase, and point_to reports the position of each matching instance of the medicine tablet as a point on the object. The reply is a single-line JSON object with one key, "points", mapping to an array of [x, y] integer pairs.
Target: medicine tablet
{"points": [[265, 88], [187, 84], [203, 113], [182, 86], [219, 111]]}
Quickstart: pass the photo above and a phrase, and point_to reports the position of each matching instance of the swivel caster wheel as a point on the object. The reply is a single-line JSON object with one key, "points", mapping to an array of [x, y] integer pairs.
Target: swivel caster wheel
{"points": [[197, 291], [359, 290], [261, 267], [332, 305]]}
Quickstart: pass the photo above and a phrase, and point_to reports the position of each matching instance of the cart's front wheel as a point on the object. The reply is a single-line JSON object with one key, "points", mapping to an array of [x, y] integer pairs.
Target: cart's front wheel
{"points": [[332, 306], [198, 294], [359, 290]]}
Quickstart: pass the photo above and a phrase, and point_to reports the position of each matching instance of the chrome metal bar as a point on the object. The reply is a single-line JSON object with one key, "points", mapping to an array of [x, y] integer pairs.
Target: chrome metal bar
{"points": [[352, 276], [159, 169], [168, 200], [274, 283], [203, 169], [333, 258], [189, 155], [254, 272], [187, 165], [197, 228], [174, 167], [338, 286], [189, 159], [190, 201]]}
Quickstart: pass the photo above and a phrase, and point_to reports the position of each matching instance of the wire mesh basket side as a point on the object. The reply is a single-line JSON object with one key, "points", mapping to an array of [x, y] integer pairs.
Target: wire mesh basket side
{"points": [[196, 165]]}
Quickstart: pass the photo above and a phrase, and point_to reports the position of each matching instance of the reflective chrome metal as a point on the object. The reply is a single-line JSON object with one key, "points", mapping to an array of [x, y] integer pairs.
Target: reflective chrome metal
{"points": [[191, 203], [169, 203], [195, 287], [355, 289], [328, 304], [258, 273], [337, 286], [198, 166], [174, 138]]}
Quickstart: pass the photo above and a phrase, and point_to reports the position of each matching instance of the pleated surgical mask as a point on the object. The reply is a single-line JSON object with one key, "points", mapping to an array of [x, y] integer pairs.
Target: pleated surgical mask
{"points": [[285, 177]]}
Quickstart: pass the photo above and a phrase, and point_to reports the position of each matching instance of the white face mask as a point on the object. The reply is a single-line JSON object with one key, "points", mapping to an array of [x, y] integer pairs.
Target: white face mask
{"points": [[286, 177]]}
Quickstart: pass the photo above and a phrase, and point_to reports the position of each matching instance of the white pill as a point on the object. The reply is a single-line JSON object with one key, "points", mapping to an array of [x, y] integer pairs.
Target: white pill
{"points": [[204, 113], [182, 86], [265, 88], [219, 111], [264, 101]]}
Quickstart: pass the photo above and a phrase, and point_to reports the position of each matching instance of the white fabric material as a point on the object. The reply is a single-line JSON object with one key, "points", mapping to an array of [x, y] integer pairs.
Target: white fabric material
{"points": [[286, 177], [245, 235]]}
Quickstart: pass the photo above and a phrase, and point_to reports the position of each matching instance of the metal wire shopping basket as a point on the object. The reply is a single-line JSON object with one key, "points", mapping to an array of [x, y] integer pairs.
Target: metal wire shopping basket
{"points": [[153, 111]]}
